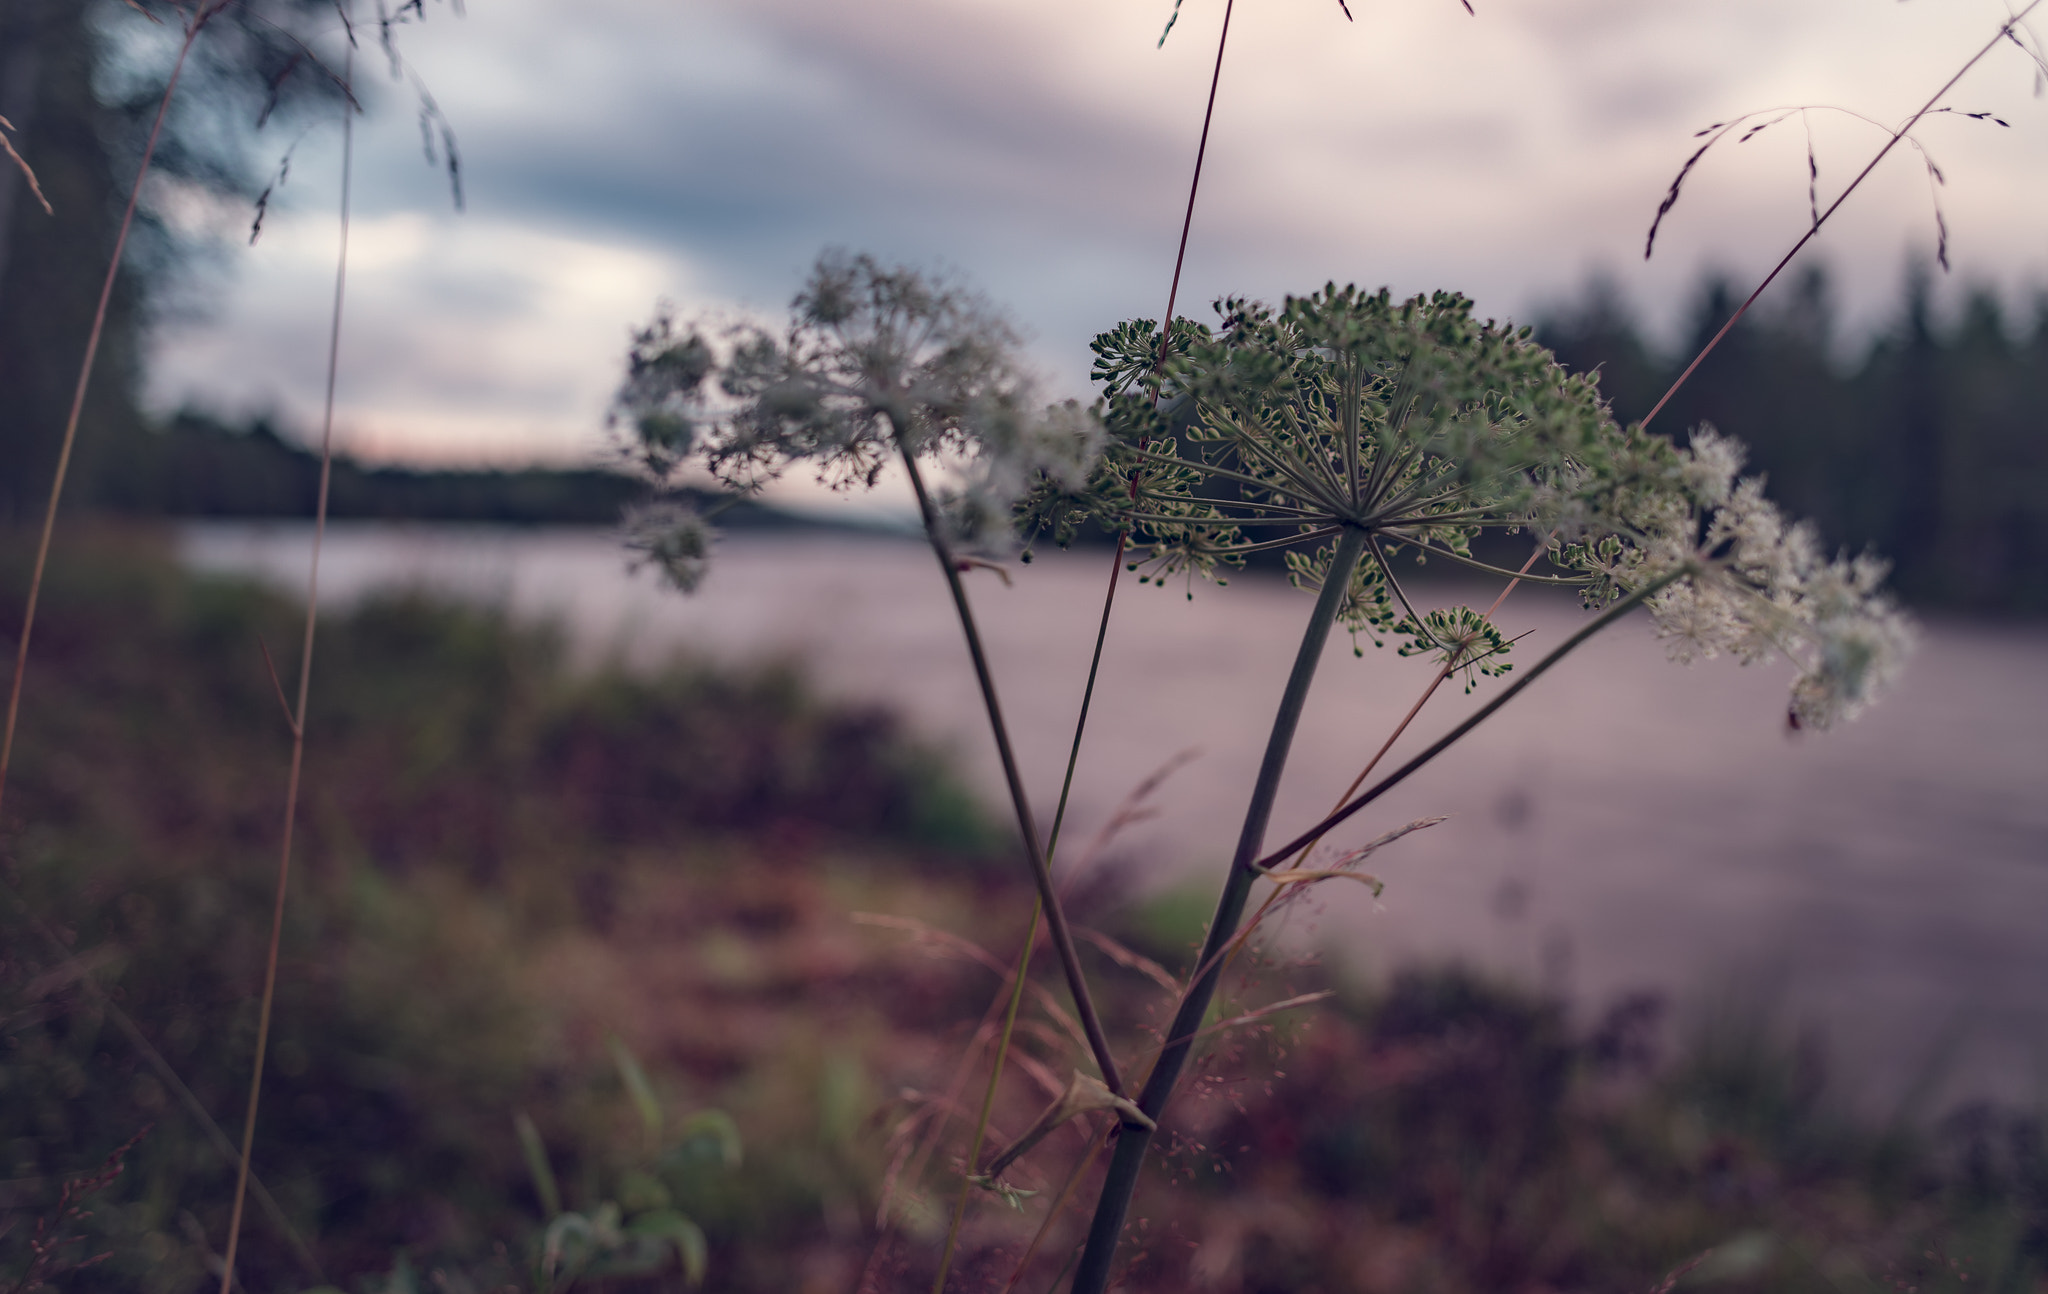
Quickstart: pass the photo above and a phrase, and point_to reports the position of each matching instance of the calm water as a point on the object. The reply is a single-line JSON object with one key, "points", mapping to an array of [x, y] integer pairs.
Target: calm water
{"points": [[1627, 823]]}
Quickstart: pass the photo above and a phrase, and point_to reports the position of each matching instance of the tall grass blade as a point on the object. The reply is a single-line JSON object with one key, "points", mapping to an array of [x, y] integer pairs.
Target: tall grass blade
{"points": [[535, 1152], [298, 723]]}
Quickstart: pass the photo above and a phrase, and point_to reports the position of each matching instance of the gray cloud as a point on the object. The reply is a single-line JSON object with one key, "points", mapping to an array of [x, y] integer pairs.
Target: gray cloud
{"points": [[1041, 147]]}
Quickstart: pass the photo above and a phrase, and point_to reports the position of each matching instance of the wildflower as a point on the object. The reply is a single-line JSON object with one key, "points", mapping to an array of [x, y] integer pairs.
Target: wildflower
{"points": [[1756, 584], [1423, 427], [672, 538], [876, 361], [1413, 422]]}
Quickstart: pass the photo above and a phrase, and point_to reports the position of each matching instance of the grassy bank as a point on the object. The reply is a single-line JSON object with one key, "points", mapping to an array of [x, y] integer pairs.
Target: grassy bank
{"points": [[613, 902]]}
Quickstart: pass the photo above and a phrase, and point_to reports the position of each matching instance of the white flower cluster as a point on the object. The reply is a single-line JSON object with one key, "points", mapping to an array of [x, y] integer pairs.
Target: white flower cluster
{"points": [[1758, 585], [1015, 445], [878, 363], [672, 538]]}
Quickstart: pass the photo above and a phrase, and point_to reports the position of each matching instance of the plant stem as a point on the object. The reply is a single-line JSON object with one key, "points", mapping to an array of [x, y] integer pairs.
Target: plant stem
{"points": [[1052, 843], [1093, 1274], [92, 350], [1116, 562], [1450, 667], [291, 796], [1027, 828], [1479, 716]]}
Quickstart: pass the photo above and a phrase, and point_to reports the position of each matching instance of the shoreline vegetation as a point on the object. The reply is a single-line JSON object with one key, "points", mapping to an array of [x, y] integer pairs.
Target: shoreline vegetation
{"points": [[666, 865]]}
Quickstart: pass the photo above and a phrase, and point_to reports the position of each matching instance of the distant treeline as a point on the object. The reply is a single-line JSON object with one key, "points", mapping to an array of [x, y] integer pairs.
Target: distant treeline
{"points": [[1931, 447], [196, 467]]}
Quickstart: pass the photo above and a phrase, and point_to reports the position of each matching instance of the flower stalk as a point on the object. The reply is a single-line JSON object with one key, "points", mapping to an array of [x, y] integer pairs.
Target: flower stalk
{"points": [[1027, 827], [1134, 1138]]}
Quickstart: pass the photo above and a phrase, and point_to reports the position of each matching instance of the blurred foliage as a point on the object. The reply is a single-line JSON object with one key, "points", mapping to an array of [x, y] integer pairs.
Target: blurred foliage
{"points": [[469, 798], [1929, 446], [1452, 1133], [569, 958]]}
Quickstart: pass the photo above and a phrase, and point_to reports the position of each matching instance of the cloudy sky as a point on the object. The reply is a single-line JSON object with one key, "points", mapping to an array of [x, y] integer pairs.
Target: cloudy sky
{"points": [[703, 151]]}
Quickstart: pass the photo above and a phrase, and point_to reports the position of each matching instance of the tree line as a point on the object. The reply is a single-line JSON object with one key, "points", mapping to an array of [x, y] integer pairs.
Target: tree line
{"points": [[1929, 446]]}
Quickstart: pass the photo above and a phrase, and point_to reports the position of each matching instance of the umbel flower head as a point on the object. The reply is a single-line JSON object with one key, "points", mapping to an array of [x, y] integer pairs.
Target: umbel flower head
{"points": [[1757, 585], [1423, 426], [1411, 421], [876, 362]]}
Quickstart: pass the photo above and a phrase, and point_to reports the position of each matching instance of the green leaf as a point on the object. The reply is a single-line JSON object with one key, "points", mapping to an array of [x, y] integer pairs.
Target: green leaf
{"points": [[637, 1087], [536, 1153], [716, 1130], [641, 1192]]}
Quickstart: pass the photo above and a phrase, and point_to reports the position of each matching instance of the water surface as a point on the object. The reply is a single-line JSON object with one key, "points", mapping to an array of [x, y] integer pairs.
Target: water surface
{"points": [[1627, 823]]}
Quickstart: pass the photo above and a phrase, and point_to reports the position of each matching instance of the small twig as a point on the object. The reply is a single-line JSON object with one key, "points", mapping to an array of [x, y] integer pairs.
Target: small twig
{"points": [[967, 564], [1129, 812], [1679, 1272], [1084, 1094], [1130, 959], [1251, 1017], [971, 951], [1286, 879], [34, 185], [291, 721]]}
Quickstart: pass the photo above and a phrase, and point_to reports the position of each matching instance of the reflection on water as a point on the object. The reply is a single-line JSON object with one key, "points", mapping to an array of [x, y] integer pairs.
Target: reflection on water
{"points": [[1628, 822]]}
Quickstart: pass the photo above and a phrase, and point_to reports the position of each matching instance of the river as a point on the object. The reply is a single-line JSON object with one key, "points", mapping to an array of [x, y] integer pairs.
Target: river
{"points": [[1627, 823]]}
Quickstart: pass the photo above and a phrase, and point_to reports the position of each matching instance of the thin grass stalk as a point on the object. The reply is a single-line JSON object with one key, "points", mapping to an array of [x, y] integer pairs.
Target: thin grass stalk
{"points": [[1187, 220], [1093, 1274], [2004, 32], [85, 368], [298, 722], [1027, 828]]}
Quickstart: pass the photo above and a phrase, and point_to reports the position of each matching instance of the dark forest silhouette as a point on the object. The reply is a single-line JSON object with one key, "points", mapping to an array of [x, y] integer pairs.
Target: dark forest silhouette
{"points": [[1931, 447]]}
